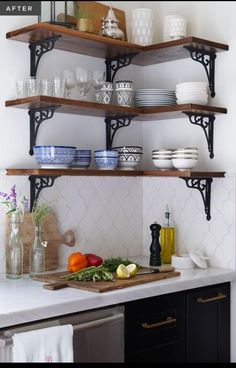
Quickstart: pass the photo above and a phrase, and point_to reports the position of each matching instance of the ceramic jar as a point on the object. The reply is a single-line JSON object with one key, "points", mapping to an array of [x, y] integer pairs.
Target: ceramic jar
{"points": [[105, 94], [124, 93], [142, 26], [177, 28]]}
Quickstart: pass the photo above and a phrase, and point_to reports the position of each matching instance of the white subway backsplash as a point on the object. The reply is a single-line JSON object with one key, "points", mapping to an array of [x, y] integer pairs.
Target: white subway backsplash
{"points": [[214, 238], [111, 216]]}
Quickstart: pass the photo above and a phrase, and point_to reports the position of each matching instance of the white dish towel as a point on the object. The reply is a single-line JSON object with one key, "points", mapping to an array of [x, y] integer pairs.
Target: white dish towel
{"points": [[48, 345]]}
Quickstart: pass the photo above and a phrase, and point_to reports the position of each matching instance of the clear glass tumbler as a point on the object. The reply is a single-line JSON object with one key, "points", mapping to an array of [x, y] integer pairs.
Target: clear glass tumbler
{"points": [[58, 87], [21, 89], [33, 86], [45, 87]]}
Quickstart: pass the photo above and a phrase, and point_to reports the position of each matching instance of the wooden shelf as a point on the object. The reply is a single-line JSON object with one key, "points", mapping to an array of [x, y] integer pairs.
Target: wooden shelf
{"points": [[104, 47], [69, 106], [94, 172]]}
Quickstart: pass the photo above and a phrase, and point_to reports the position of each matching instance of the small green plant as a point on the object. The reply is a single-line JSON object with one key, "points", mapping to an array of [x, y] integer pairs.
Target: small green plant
{"points": [[40, 211]]}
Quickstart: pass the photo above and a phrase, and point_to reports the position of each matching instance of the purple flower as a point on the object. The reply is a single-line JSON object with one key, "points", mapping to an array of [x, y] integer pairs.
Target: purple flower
{"points": [[10, 200], [13, 196]]}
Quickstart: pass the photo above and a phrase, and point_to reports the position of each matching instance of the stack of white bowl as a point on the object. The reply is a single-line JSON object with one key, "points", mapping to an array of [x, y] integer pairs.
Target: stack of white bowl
{"points": [[192, 92], [162, 159], [185, 158]]}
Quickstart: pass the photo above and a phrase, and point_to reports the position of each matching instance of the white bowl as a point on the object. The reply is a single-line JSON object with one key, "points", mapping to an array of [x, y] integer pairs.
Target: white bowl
{"points": [[184, 163], [163, 164], [128, 161], [182, 261]]}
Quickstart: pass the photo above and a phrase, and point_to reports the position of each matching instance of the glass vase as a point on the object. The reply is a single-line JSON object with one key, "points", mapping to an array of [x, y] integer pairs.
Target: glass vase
{"points": [[14, 248], [37, 254]]}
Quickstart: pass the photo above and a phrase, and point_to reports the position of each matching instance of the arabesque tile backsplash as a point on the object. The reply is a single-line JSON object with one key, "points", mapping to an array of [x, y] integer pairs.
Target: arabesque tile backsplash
{"points": [[111, 215]]}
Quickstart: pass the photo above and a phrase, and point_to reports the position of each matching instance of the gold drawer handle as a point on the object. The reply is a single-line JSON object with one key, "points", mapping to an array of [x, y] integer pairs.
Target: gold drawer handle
{"points": [[218, 297], [168, 321]]}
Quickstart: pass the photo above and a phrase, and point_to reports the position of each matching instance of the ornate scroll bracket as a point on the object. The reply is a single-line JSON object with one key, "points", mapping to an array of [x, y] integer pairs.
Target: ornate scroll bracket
{"points": [[204, 187], [116, 63], [207, 59], [112, 127], [206, 121], [37, 49], [37, 116], [37, 183]]}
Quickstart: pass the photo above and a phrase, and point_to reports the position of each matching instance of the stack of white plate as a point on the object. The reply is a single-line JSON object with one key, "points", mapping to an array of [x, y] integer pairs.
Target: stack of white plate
{"points": [[154, 97], [192, 92]]}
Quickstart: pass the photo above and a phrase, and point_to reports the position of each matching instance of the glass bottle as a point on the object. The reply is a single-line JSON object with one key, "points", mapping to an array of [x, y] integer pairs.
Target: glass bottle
{"points": [[37, 254], [167, 239], [14, 248]]}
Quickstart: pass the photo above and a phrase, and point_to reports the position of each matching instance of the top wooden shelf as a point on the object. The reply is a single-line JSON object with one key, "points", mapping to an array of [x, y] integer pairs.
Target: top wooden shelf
{"points": [[104, 47]]}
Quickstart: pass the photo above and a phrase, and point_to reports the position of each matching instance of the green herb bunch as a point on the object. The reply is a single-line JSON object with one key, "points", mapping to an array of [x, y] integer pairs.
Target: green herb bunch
{"points": [[40, 211]]}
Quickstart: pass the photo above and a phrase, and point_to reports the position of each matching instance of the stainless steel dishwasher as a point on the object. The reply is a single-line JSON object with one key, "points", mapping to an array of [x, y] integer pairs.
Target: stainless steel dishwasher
{"points": [[98, 335]]}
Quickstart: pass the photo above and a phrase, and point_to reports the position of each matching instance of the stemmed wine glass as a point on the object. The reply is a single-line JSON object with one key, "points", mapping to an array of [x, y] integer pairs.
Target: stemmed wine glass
{"points": [[98, 80], [84, 81], [70, 81]]}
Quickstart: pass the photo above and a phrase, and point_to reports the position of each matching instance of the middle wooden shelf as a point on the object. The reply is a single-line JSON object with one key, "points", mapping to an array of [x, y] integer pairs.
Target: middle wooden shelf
{"points": [[89, 108]]}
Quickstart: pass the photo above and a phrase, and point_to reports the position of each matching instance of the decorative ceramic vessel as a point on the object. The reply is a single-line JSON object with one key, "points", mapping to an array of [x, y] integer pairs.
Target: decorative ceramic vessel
{"points": [[54, 156], [124, 93], [142, 26]]}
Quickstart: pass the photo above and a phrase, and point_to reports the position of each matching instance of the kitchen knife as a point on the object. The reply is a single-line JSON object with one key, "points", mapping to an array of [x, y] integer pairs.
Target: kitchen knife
{"points": [[147, 270]]}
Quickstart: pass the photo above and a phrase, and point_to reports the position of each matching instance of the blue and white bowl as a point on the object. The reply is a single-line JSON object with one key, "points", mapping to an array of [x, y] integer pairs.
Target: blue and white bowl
{"points": [[106, 163], [106, 159], [105, 153], [54, 156]]}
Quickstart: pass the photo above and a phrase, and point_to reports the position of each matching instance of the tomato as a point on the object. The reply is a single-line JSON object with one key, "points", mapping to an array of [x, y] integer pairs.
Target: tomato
{"points": [[93, 260]]}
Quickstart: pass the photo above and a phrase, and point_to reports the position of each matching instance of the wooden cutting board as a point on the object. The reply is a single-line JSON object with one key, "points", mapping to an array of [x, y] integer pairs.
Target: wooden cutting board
{"points": [[96, 11], [50, 234], [103, 286]]}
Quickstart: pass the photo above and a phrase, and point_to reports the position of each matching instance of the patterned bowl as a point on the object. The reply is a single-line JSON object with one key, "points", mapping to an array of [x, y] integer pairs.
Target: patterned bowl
{"points": [[129, 149], [54, 156], [128, 161], [105, 153], [106, 163]]}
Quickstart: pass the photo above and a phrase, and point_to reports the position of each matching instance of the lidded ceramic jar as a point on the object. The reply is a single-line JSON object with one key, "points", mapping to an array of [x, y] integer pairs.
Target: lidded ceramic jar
{"points": [[124, 93]]}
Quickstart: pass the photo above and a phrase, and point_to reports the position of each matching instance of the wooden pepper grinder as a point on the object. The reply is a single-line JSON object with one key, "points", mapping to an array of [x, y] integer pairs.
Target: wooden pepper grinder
{"points": [[155, 248]]}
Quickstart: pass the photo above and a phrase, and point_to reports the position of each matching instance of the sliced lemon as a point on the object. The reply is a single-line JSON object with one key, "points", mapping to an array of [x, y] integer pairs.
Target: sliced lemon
{"points": [[122, 272], [132, 268]]}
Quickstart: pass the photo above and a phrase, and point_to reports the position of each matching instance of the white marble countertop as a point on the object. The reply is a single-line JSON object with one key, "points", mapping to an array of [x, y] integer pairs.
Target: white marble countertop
{"points": [[25, 300]]}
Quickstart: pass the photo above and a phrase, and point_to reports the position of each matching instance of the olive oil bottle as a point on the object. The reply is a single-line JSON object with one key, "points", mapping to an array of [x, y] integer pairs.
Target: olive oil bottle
{"points": [[167, 239]]}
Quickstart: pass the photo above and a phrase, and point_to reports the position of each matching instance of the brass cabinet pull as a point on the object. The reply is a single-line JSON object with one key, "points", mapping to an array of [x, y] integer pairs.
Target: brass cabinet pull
{"points": [[218, 297], [168, 321]]}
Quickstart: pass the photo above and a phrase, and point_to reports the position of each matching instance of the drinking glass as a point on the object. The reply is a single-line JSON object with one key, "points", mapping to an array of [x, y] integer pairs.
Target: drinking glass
{"points": [[33, 86], [58, 87], [84, 81], [70, 81], [21, 89], [45, 87], [98, 80]]}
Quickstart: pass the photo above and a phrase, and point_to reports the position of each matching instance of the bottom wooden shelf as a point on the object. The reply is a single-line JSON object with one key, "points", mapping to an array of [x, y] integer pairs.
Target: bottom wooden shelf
{"points": [[94, 172]]}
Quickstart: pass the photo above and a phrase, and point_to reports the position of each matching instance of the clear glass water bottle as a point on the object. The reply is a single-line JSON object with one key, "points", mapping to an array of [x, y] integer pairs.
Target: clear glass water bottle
{"points": [[37, 254], [14, 248]]}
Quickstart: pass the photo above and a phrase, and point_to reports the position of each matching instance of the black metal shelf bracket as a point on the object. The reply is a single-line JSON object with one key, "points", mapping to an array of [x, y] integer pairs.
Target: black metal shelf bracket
{"points": [[112, 127], [37, 183], [204, 187], [206, 121], [37, 49], [207, 59], [115, 63], [37, 116]]}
